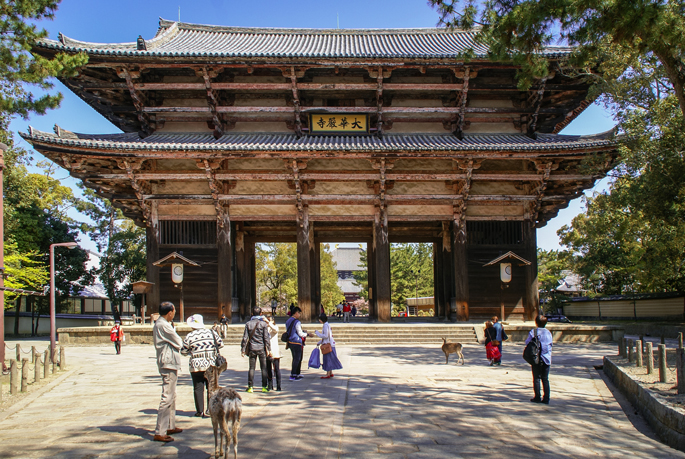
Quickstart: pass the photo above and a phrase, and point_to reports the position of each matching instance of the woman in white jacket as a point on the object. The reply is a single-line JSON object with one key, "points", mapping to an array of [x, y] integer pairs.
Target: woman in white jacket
{"points": [[273, 364], [330, 359]]}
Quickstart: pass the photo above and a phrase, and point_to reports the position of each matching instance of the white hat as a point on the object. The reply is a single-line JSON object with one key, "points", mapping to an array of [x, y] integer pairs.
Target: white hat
{"points": [[195, 321]]}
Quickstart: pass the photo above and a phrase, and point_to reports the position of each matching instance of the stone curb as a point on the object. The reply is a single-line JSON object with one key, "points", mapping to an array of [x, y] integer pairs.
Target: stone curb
{"points": [[667, 422], [32, 396]]}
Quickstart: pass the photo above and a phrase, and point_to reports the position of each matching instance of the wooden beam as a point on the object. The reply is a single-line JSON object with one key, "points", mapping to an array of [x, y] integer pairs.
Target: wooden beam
{"points": [[319, 109], [296, 102], [212, 102], [537, 97], [281, 87], [137, 102], [459, 128]]}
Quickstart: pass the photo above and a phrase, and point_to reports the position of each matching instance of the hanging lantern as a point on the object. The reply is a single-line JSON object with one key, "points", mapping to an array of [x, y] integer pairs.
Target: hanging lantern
{"points": [[177, 273], [505, 272]]}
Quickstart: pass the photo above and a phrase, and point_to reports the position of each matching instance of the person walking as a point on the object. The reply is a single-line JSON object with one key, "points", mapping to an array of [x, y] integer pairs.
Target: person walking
{"points": [[274, 305], [491, 344], [167, 347], [346, 312], [273, 362], [296, 340], [116, 335], [541, 371], [256, 344], [224, 325], [202, 345], [354, 311], [500, 337], [330, 358]]}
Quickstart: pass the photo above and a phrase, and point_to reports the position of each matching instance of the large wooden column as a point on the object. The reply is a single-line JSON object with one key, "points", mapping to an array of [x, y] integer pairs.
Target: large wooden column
{"points": [[447, 281], [304, 276], [371, 270], [241, 286], [152, 233], [438, 299], [460, 302], [532, 299], [315, 264], [224, 262], [251, 279], [382, 249]]}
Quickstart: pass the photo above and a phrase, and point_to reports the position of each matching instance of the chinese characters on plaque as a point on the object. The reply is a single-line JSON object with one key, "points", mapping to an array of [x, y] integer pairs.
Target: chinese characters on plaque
{"points": [[338, 123]]}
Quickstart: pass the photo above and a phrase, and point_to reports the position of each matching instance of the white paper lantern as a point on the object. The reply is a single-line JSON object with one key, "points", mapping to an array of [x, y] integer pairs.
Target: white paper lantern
{"points": [[177, 273], [505, 272]]}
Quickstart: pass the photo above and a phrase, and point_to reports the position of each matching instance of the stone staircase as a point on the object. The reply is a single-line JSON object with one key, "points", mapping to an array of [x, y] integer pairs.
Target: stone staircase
{"points": [[380, 334]]}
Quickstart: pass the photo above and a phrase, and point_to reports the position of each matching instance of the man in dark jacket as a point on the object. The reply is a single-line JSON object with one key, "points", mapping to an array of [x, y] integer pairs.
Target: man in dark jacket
{"points": [[256, 344]]}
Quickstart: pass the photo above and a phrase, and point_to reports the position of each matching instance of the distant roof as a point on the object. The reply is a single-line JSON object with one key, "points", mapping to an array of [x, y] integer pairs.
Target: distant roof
{"points": [[348, 286], [347, 258], [179, 39], [96, 290], [290, 142]]}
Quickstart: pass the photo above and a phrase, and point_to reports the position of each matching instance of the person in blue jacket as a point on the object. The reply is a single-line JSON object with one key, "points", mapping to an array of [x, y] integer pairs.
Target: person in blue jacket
{"points": [[296, 340]]}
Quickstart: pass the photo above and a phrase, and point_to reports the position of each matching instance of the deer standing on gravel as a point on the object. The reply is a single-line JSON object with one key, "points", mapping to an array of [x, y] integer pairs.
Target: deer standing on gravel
{"points": [[225, 405]]}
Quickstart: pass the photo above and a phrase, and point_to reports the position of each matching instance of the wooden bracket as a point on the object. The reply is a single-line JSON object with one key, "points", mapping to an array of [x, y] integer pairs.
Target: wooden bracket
{"points": [[137, 99], [296, 101], [461, 116], [535, 100]]}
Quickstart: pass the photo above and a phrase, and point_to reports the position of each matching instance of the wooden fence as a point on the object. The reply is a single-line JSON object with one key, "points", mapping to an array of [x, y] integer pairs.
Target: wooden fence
{"points": [[637, 308]]}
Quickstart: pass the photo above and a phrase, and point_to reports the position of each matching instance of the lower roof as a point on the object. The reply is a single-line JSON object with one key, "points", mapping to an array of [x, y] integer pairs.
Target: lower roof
{"points": [[290, 142]]}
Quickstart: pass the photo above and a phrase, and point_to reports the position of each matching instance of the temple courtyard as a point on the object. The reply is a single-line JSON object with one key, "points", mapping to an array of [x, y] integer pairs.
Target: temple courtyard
{"points": [[387, 402]]}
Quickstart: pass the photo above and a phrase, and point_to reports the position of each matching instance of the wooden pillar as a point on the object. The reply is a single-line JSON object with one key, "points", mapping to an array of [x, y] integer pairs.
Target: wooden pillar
{"points": [[437, 281], [382, 249], [371, 268], [459, 309], [304, 275], [532, 300], [251, 281], [315, 263], [240, 274], [224, 262], [153, 298], [447, 280]]}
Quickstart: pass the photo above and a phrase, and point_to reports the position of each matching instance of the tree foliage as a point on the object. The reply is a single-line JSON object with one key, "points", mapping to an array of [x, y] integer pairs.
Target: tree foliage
{"points": [[20, 68], [518, 30], [277, 275]]}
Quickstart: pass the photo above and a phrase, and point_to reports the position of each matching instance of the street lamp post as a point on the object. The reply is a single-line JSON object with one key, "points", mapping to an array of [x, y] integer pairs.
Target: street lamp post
{"points": [[53, 328]]}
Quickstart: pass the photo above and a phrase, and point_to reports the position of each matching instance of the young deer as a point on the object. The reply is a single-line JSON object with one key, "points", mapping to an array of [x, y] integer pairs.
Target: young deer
{"points": [[224, 405], [452, 348]]}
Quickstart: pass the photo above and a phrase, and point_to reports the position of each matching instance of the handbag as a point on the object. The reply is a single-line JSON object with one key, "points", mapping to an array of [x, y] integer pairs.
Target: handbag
{"points": [[327, 348], [314, 359], [285, 337], [492, 352], [220, 359], [532, 352]]}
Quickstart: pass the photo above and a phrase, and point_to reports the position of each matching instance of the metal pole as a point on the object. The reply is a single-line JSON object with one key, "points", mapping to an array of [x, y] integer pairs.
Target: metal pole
{"points": [[53, 327]]}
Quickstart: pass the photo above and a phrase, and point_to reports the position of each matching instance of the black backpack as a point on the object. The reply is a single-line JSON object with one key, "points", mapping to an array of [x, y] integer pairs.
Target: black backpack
{"points": [[532, 352]]}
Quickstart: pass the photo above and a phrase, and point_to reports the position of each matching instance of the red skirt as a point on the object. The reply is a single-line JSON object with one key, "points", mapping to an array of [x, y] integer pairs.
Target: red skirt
{"points": [[492, 352]]}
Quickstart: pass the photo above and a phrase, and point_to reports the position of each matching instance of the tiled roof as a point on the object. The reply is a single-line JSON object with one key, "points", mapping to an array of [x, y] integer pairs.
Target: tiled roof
{"points": [[176, 39], [290, 142], [347, 258]]}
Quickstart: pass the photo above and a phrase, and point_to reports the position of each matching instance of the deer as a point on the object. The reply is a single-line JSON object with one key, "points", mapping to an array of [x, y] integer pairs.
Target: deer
{"points": [[225, 405], [452, 348]]}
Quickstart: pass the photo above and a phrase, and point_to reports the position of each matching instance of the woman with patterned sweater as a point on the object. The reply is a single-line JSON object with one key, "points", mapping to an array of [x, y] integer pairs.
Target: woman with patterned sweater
{"points": [[201, 344]]}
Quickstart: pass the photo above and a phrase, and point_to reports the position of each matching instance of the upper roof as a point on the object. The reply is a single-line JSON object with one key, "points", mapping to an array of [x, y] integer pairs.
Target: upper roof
{"points": [[161, 141], [178, 39]]}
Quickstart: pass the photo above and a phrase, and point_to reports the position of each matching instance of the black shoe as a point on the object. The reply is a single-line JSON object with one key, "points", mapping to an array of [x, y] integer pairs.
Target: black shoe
{"points": [[546, 402], [536, 400], [278, 389]]}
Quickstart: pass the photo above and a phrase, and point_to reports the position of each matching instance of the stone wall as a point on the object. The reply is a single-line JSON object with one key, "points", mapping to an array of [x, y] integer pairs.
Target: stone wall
{"points": [[668, 422], [563, 333]]}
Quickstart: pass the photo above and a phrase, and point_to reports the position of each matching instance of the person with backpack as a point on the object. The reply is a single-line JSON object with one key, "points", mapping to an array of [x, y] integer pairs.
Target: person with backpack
{"points": [[542, 346], [296, 339], [256, 344], [116, 335]]}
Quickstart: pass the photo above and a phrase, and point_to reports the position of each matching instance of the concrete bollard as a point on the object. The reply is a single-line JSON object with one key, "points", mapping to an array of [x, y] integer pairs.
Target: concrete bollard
{"points": [[680, 340], [631, 357], [18, 349], [642, 340], [638, 353], [62, 359], [24, 375], [663, 339], [14, 377], [680, 370], [46, 364], [650, 358], [36, 368], [662, 363]]}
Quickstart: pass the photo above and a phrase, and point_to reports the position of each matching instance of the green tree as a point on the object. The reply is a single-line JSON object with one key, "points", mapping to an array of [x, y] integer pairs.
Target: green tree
{"points": [[21, 68], [331, 293], [24, 271], [518, 30]]}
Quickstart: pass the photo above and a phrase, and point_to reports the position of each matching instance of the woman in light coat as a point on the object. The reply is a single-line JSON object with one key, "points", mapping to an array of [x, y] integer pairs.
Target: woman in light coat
{"points": [[330, 360], [273, 368]]}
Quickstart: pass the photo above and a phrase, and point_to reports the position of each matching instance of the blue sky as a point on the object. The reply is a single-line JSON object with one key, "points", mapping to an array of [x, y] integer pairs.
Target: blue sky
{"points": [[123, 20]]}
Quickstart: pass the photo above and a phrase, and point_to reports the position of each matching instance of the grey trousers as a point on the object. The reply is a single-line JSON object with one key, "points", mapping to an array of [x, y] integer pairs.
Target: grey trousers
{"points": [[166, 414]]}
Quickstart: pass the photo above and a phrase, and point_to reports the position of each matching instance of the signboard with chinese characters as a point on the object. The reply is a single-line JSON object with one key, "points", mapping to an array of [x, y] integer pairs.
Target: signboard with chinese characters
{"points": [[346, 123]]}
